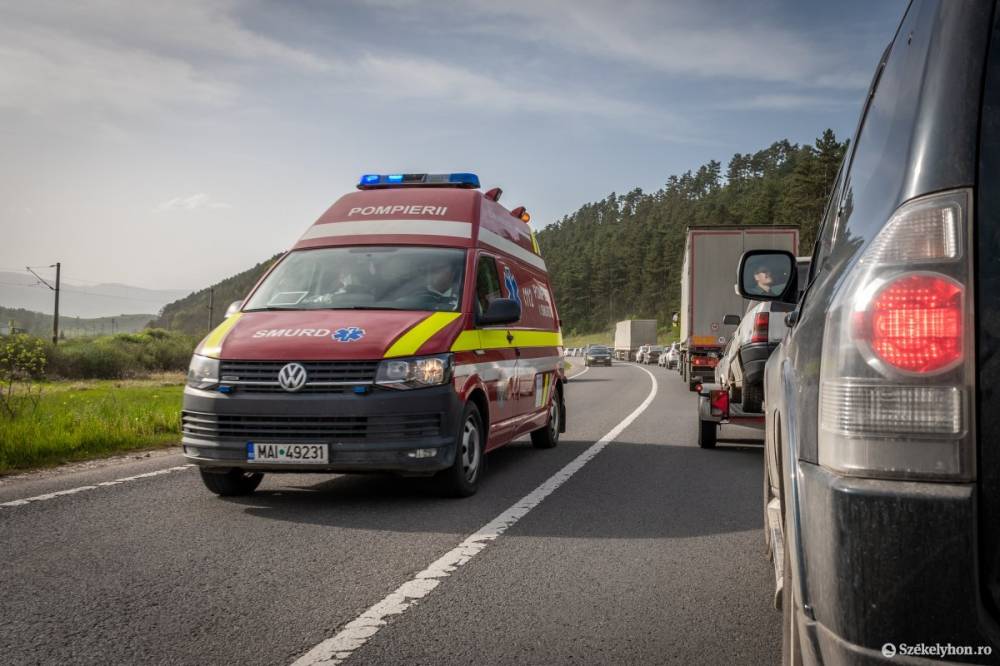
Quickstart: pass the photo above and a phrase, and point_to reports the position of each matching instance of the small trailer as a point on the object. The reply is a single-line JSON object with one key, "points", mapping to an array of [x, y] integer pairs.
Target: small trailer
{"points": [[714, 411]]}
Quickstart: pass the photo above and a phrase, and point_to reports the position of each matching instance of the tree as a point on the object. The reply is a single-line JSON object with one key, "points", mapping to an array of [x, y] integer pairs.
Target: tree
{"points": [[623, 254], [22, 361]]}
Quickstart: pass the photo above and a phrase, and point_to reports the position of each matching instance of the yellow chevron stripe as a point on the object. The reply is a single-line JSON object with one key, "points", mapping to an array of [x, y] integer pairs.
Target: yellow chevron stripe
{"points": [[545, 389], [211, 346], [497, 339], [414, 339], [467, 341]]}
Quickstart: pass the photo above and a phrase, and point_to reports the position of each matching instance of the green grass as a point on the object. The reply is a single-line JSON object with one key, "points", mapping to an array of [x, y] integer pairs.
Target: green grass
{"points": [[79, 420], [587, 339]]}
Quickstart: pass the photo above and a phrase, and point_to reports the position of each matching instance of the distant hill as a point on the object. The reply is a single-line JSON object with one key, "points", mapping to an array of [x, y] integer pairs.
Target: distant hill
{"points": [[190, 314], [22, 291], [40, 324]]}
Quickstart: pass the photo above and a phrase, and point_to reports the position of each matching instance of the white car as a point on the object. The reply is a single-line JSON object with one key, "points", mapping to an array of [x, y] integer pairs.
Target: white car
{"points": [[760, 330], [670, 357]]}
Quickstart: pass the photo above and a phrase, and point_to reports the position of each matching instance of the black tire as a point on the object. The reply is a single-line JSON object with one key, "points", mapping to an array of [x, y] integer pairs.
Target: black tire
{"points": [[752, 397], [462, 478], [707, 434], [791, 643], [232, 483], [547, 437]]}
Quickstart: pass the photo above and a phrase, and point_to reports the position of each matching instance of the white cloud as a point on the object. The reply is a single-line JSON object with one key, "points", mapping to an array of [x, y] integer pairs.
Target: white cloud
{"points": [[429, 79], [683, 37], [200, 201], [782, 102], [129, 57]]}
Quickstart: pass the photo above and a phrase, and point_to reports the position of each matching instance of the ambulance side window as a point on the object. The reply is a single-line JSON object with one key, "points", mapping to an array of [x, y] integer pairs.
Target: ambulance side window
{"points": [[487, 283]]}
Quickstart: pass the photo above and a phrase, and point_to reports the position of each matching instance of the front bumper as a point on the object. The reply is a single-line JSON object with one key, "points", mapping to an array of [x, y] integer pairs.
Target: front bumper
{"points": [[599, 361], [365, 433], [890, 562]]}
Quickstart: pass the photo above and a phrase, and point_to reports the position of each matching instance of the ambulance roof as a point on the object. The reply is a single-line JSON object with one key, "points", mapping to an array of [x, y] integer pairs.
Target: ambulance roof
{"points": [[430, 215]]}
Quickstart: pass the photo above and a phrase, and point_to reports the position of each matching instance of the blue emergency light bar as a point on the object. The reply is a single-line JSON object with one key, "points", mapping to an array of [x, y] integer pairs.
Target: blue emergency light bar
{"points": [[374, 181]]}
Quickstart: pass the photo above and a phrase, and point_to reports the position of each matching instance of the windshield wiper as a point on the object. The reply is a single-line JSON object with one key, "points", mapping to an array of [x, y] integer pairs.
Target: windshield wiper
{"points": [[272, 309], [366, 307]]}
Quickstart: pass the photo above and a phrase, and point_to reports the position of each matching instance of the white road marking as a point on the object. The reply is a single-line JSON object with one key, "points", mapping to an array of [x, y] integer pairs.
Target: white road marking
{"points": [[356, 633], [585, 369], [80, 489]]}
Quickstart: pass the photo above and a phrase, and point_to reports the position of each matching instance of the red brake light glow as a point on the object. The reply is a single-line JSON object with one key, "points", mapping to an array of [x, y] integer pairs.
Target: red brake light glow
{"points": [[914, 324], [760, 323]]}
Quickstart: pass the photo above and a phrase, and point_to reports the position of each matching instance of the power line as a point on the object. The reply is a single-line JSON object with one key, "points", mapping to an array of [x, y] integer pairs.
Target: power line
{"points": [[14, 284]]}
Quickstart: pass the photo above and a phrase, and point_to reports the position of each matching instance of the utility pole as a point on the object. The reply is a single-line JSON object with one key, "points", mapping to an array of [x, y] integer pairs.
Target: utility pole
{"points": [[55, 317], [211, 306], [55, 314]]}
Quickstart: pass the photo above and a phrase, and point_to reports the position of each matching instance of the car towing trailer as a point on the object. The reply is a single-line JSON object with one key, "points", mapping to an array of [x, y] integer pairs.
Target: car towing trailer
{"points": [[715, 410]]}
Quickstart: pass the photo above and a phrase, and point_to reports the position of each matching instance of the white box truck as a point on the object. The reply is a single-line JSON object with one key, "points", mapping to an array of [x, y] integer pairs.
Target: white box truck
{"points": [[708, 280], [632, 334]]}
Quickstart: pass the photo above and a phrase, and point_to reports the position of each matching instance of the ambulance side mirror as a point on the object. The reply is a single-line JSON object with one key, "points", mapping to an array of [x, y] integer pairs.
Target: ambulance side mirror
{"points": [[500, 311], [233, 308]]}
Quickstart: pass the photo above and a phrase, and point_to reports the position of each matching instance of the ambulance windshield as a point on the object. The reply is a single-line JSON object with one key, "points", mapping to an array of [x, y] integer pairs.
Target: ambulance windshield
{"points": [[364, 278]]}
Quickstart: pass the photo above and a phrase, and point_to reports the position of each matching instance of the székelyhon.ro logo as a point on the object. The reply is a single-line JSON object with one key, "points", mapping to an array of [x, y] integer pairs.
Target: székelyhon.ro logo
{"points": [[349, 334]]}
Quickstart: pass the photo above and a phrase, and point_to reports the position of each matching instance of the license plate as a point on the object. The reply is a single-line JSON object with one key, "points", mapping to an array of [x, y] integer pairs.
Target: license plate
{"points": [[287, 453]]}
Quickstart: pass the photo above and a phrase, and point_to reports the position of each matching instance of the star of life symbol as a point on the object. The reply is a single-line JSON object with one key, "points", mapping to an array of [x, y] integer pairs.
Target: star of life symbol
{"points": [[511, 284], [292, 377], [348, 334]]}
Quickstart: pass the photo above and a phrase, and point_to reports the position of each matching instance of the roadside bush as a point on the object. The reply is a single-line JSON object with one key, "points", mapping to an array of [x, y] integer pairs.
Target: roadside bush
{"points": [[122, 356], [22, 362]]}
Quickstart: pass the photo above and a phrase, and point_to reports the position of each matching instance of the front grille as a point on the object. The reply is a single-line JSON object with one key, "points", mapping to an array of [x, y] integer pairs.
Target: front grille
{"points": [[300, 428], [323, 376]]}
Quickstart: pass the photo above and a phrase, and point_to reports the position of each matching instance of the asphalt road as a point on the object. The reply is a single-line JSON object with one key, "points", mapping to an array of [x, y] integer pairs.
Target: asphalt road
{"points": [[652, 552]]}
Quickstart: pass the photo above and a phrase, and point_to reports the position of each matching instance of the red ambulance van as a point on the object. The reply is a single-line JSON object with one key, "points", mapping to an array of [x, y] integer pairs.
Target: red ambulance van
{"points": [[411, 329]]}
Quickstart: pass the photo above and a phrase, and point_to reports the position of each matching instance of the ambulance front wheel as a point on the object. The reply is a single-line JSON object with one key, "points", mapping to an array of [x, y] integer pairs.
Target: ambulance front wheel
{"points": [[231, 483], [462, 478], [547, 437]]}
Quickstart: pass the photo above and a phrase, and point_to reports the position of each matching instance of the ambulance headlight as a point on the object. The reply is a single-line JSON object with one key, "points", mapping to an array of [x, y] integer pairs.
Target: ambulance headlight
{"points": [[203, 373], [408, 373]]}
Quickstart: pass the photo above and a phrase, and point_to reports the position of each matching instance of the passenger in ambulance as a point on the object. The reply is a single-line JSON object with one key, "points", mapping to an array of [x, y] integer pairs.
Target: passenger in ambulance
{"points": [[441, 288]]}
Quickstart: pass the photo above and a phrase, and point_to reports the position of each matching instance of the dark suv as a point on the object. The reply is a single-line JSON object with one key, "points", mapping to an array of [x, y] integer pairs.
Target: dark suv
{"points": [[882, 487]]}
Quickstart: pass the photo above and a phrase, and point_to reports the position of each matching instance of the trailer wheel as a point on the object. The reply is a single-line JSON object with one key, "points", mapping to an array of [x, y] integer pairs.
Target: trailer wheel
{"points": [[707, 434]]}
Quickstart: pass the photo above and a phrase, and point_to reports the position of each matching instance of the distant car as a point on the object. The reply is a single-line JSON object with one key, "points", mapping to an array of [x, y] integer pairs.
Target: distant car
{"points": [[652, 354], [597, 355], [671, 357], [741, 368], [640, 355]]}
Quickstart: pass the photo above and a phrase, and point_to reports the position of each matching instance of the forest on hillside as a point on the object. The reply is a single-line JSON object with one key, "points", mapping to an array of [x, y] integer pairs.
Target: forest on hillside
{"points": [[620, 258], [191, 314]]}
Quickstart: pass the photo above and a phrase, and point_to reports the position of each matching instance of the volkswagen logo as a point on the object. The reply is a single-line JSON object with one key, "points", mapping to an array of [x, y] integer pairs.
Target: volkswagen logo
{"points": [[292, 377]]}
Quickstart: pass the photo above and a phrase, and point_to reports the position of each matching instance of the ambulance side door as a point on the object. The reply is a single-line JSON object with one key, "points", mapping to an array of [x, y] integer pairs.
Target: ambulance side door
{"points": [[498, 361]]}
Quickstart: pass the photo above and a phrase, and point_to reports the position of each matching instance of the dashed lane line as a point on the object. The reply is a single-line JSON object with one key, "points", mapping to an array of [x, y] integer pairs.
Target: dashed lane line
{"points": [[356, 633], [80, 489]]}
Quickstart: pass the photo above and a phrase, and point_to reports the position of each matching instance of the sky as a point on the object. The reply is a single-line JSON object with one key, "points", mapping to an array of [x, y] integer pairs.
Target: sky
{"points": [[171, 145]]}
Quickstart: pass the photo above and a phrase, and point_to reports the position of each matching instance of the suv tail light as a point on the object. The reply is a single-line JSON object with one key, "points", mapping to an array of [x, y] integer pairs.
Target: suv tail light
{"points": [[914, 323], [760, 322], [895, 380]]}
